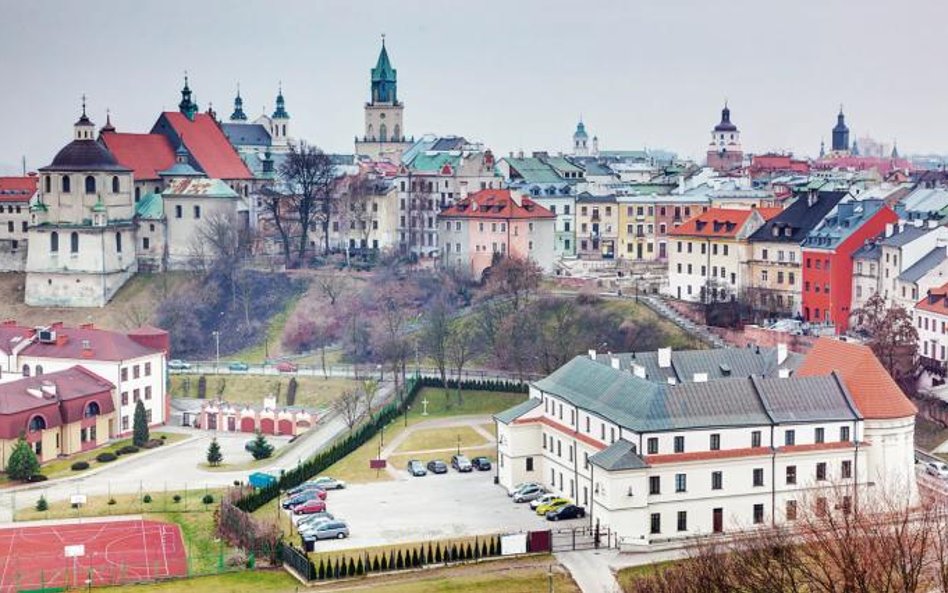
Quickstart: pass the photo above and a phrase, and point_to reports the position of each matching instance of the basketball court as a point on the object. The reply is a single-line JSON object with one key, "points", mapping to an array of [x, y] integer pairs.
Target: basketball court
{"points": [[89, 553]]}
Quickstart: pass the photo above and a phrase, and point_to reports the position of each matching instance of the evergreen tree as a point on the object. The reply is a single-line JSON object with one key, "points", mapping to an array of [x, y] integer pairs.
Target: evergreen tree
{"points": [[384, 565], [214, 455], [202, 387], [352, 567], [375, 564], [360, 568], [430, 556], [260, 448], [291, 392], [321, 574], [414, 558], [399, 562], [140, 434], [437, 555], [23, 462]]}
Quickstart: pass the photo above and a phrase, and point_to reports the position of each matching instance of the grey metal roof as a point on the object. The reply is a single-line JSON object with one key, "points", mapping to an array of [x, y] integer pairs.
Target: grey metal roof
{"points": [[592, 199], [869, 250], [246, 134], [717, 363], [805, 399], [906, 235], [923, 266], [618, 456], [511, 414]]}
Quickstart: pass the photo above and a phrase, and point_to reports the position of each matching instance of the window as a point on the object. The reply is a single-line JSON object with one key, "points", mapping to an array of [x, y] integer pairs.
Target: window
{"points": [[715, 442], [544, 441], [148, 392], [602, 431], [846, 469], [124, 422], [844, 434], [679, 444], [818, 435], [559, 448], [790, 438], [682, 520], [146, 243], [115, 184], [148, 416], [755, 438], [54, 242], [820, 506], [136, 371], [758, 514], [821, 471], [791, 474], [652, 444], [36, 424], [654, 485], [681, 483], [90, 184], [124, 374], [47, 184], [758, 477], [65, 184], [74, 242], [612, 434], [118, 242], [717, 480], [92, 410], [136, 395], [655, 524], [529, 462], [178, 212], [791, 510], [197, 211]]}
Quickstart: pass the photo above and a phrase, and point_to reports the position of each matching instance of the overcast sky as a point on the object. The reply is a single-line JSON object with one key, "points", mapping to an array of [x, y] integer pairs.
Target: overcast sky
{"points": [[514, 74]]}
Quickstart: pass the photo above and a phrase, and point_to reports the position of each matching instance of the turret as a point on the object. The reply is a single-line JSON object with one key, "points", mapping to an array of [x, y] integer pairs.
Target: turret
{"points": [[84, 129], [187, 106], [279, 120], [238, 115]]}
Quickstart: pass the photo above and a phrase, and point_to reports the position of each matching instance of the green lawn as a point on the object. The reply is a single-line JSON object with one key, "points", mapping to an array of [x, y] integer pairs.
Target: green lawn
{"points": [[627, 577], [928, 434], [259, 581], [272, 346], [677, 338], [311, 392], [441, 438], [401, 461], [124, 504]]}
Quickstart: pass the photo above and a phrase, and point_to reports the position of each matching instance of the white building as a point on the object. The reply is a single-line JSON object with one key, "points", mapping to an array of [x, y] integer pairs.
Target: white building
{"points": [[135, 363], [666, 445]]}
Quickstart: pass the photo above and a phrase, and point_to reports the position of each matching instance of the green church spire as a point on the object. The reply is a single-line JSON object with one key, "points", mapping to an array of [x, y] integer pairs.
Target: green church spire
{"points": [[280, 112], [238, 114], [187, 106], [384, 79]]}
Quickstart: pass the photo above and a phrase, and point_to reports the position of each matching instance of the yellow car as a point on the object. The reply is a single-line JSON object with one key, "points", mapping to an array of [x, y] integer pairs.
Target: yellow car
{"points": [[554, 504]]}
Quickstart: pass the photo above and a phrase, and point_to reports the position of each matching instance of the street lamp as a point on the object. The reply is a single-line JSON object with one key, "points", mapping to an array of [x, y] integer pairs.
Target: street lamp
{"points": [[217, 344]]}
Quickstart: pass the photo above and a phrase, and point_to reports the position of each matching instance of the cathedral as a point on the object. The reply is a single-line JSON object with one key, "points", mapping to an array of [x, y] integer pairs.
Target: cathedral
{"points": [[384, 138]]}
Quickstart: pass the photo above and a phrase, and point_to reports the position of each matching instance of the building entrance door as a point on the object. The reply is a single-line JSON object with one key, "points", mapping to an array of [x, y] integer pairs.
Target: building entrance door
{"points": [[718, 520]]}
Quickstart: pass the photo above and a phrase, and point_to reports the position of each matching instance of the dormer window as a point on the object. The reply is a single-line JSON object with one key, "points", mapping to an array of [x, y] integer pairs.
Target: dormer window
{"points": [[776, 231]]}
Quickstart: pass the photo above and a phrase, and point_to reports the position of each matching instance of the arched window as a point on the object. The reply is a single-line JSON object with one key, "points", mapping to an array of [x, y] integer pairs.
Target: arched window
{"points": [[396, 133], [26, 370], [115, 184], [39, 370], [283, 133], [118, 242], [47, 183], [371, 133], [74, 242], [92, 410], [66, 188], [54, 242], [383, 133], [37, 423], [90, 184]]}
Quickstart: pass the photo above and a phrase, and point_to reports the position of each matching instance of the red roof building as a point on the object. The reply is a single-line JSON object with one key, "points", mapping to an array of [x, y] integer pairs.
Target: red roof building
{"points": [[210, 150], [145, 154], [771, 164], [18, 189]]}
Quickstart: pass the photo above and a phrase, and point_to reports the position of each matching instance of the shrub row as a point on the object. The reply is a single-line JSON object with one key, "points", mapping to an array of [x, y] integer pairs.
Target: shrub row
{"points": [[347, 566], [105, 457], [479, 385], [79, 466]]}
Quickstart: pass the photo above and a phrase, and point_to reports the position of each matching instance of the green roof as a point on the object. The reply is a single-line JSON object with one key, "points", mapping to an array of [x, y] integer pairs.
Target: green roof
{"points": [[150, 207], [433, 162], [511, 414], [561, 164], [533, 170]]}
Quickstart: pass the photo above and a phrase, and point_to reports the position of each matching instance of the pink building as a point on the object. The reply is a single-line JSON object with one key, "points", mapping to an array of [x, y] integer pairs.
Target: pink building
{"points": [[496, 221]]}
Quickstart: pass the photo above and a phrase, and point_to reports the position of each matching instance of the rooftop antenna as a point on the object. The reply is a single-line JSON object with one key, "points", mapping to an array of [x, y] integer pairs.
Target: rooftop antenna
{"points": [[24, 165]]}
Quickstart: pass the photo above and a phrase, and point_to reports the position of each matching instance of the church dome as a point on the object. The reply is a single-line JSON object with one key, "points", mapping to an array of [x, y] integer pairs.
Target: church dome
{"points": [[84, 155], [725, 125]]}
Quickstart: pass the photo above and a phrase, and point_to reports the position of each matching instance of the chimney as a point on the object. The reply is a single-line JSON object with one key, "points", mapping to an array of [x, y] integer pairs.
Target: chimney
{"points": [[664, 357], [700, 377], [592, 354], [614, 360], [889, 229], [781, 353], [638, 370], [681, 184], [901, 225], [783, 373], [516, 197], [89, 325], [48, 388], [918, 222]]}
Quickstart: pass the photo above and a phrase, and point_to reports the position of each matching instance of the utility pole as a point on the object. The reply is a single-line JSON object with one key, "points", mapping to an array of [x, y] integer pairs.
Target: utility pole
{"points": [[217, 343]]}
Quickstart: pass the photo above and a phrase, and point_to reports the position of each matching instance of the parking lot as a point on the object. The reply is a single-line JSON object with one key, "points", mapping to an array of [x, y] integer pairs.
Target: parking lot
{"points": [[428, 508]]}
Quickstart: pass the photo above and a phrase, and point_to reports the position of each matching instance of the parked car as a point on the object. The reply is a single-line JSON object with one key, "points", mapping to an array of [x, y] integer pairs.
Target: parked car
{"points": [[178, 364], [306, 529], [238, 366], [436, 466], [481, 463], [567, 511], [529, 493], [461, 463], [330, 530], [415, 468], [542, 500], [287, 367], [520, 487], [305, 486], [554, 504], [310, 506], [302, 497], [327, 483], [937, 469], [313, 518]]}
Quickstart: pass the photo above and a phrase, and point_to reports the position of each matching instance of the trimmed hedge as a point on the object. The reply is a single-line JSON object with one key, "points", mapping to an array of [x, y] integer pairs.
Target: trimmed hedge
{"points": [[128, 450], [37, 478], [479, 385], [152, 443], [79, 466], [105, 457]]}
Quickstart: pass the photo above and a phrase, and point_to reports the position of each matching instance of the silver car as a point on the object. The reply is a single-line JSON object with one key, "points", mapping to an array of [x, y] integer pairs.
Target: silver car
{"points": [[329, 530], [520, 487], [529, 493], [327, 483], [314, 518]]}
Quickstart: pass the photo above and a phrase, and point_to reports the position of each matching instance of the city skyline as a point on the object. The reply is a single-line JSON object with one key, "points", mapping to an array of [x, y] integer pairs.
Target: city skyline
{"points": [[638, 75]]}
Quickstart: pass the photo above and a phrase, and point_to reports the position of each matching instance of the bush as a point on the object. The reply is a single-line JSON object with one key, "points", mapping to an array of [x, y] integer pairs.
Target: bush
{"points": [[41, 504], [23, 462], [176, 498], [146, 499], [208, 499], [260, 448], [79, 466], [105, 457], [128, 450], [37, 478], [153, 443], [237, 560], [111, 501]]}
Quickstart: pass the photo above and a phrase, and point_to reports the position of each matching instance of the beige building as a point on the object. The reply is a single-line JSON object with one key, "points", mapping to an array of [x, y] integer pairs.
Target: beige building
{"points": [[597, 226], [17, 194], [199, 212]]}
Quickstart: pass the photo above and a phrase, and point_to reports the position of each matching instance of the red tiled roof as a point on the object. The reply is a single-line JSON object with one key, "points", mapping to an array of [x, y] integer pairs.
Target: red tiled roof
{"points": [[874, 391], [563, 429], [209, 146], [707, 455], [145, 154], [103, 344], [18, 189], [496, 203], [831, 446], [936, 301], [721, 222]]}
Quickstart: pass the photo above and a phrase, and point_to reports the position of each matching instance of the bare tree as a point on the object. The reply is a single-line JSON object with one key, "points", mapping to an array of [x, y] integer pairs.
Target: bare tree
{"points": [[370, 390], [435, 336], [461, 348], [348, 404], [332, 284], [310, 176], [516, 279], [353, 209], [281, 210], [892, 337]]}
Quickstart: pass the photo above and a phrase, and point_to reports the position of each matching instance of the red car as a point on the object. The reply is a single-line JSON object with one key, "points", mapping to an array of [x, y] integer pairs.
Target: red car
{"points": [[287, 367], [310, 506]]}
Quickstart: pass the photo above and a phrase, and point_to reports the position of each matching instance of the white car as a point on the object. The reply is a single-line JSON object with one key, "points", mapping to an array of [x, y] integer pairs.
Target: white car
{"points": [[520, 487], [542, 500], [178, 365], [937, 469]]}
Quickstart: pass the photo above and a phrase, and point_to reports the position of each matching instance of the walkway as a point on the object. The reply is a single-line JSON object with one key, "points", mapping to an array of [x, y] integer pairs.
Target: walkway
{"points": [[595, 570], [473, 422]]}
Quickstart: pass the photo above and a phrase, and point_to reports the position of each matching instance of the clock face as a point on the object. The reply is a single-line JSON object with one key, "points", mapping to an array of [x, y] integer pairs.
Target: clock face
{"points": [[381, 116]]}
